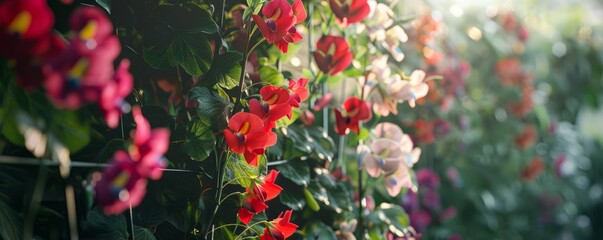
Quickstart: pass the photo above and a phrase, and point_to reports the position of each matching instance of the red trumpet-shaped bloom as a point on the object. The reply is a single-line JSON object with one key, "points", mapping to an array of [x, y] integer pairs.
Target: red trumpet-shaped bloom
{"points": [[350, 11], [121, 185], [246, 132], [282, 229], [91, 28], [273, 106], [292, 36], [298, 92], [279, 19], [332, 54], [356, 110], [257, 195], [149, 146]]}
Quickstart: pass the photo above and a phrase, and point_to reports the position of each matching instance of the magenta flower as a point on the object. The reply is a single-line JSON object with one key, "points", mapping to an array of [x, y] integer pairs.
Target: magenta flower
{"points": [[149, 146], [420, 220], [428, 178], [82, 72], [121, 185], [112, 97]]}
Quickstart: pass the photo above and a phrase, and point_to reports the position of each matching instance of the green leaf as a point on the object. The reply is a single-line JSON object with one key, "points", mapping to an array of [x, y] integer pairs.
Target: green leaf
{"points": [[225, 70], [237, 168], [296, 170], [393, 216], [318, 230], [100, 226], [294, 197], [180, 40], [105, 4], [11, 223], [271, 75], [141, 233], [312, 140], [70, 130], [211, 105], [200, 139]]}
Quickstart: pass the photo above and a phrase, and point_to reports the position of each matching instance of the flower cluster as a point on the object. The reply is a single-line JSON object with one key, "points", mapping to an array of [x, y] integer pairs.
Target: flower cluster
{"points": [[257, 195], [425, 205], [73, 73], [390, 152], [389, 90], [250, 133], [124, 181]]}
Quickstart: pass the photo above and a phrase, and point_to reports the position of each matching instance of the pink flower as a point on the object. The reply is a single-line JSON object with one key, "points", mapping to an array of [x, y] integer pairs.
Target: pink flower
{"points": [[121, 185], [384, 156], [412, 89], [394, 182], [420, 220], [112, 97], [82, 72], [322, 102], [149, 146]]}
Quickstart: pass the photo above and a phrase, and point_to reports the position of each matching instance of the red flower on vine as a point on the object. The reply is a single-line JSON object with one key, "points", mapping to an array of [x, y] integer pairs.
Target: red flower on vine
{"points": [[246, 132], [332, 54], [121, 185], [298, 92], [281, 228], [350, 11], [533, 170], [112, 97], [322, 102], [149, 146], [356, 110], [526, 138], [257, 195], [292, 36], [273, 106], [280, 19]]}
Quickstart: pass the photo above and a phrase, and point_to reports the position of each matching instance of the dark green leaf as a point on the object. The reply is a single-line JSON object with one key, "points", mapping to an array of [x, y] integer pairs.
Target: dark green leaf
{"points": [[11, 223], [100, 226], [191, 51], [105, 4], [293, 197], [225, 70], [318, 230], [211, 104], [141, 233], [70, 130], [393, 216], [312, 140], [296, 170], [200, 139]]}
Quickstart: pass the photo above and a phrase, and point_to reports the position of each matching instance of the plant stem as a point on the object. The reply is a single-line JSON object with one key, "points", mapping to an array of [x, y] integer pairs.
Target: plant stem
{"points": [[238, 104], [360, 206], [221, 167]]}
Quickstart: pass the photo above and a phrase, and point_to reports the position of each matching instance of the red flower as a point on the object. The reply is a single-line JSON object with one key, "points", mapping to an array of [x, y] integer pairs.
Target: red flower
{"points": [[526, 138], [533, 170], [350, 11], [298, 92], [149, 146], [425, 131], [273, 106], [307, 118], [292, 36], [121, 185], [282, 227], [257, 195], [280, 19], [246, 133], [332, 54], [356, 110], [112, 97]]}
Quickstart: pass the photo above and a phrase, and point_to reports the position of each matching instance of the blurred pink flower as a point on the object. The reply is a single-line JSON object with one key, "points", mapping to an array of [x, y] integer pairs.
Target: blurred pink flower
{"points": [[112, 97], [420, 220], [428, 178], [121, 185], [149, 146], [322, 102]]}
